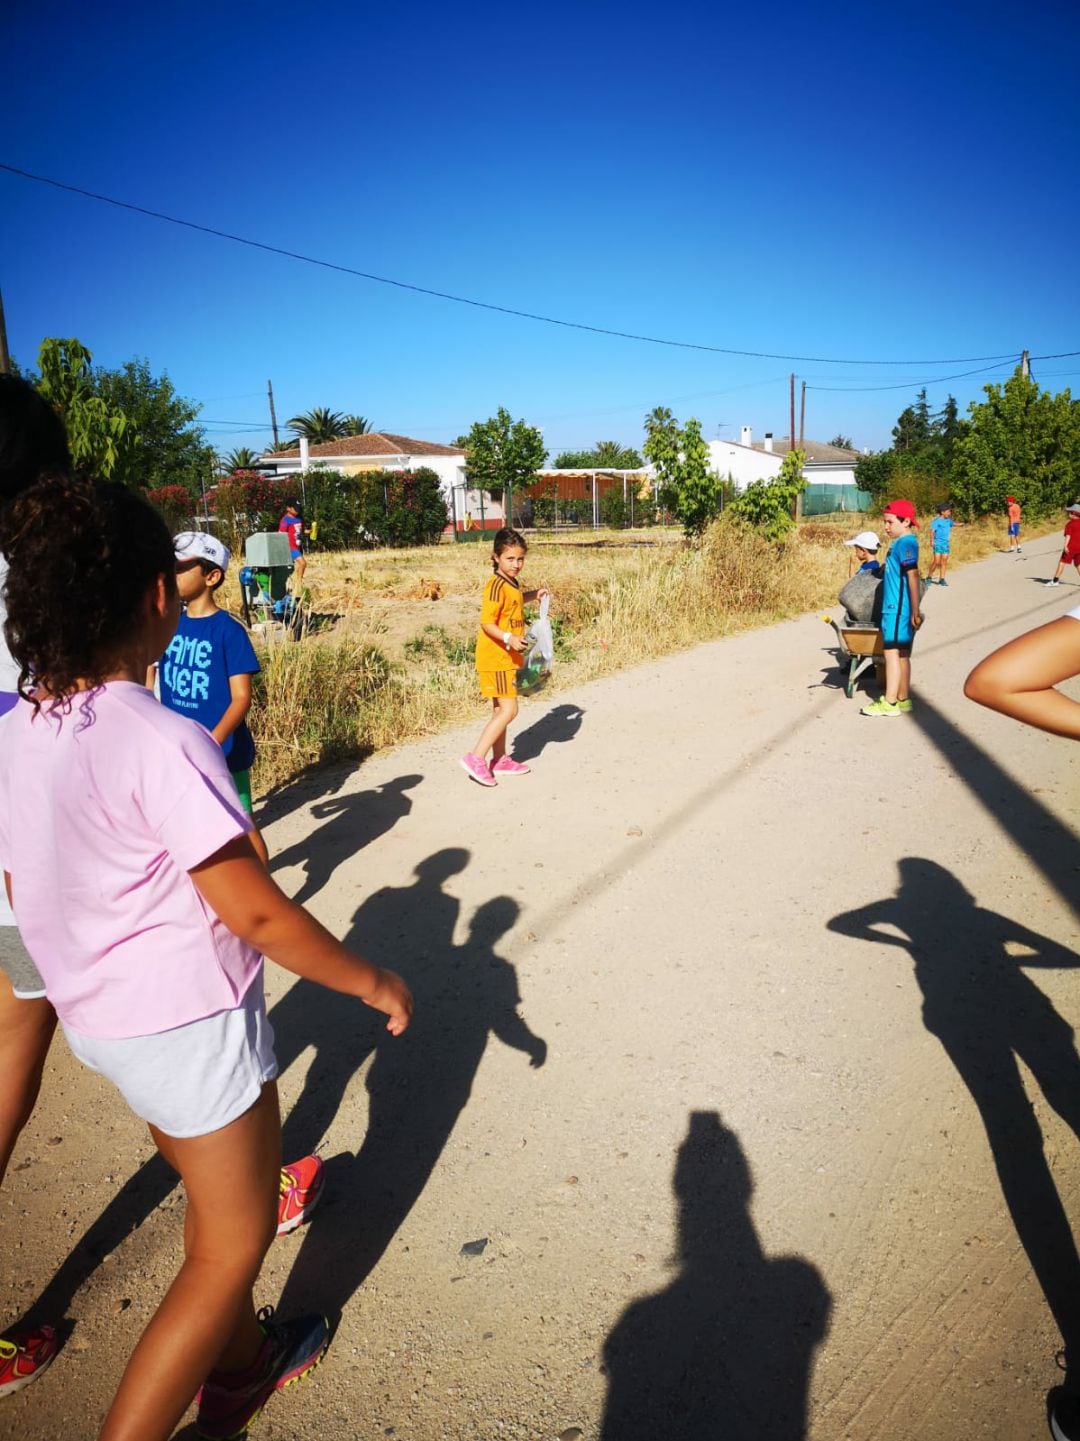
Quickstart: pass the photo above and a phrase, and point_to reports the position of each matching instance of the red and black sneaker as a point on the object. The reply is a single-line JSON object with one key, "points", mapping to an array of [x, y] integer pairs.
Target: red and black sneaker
{"points": [[23, 1357]]}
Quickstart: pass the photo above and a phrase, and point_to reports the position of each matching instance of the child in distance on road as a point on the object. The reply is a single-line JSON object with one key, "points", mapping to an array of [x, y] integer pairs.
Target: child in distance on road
{"points": [[941, 535], [901, 616], [1071, 554], [147, 911], [500, 654]]}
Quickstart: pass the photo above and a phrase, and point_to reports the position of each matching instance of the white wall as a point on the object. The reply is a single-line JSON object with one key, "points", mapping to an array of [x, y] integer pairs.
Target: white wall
{"points": [[743, 464]]}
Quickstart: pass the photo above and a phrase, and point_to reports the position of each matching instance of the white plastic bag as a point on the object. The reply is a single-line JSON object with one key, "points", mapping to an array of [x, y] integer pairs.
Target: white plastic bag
{"points": [[539, 653]]}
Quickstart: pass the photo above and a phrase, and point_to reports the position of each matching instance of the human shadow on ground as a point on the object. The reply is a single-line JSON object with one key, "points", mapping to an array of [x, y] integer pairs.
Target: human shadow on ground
{"points": [[988, 1015], [352, 822], [313, 783], [418, 1084], [560, 724], [727, 1349]]}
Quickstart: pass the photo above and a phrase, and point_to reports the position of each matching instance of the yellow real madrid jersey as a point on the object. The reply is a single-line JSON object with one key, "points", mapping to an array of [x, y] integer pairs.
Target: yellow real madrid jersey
{"points": [[502, 606]]}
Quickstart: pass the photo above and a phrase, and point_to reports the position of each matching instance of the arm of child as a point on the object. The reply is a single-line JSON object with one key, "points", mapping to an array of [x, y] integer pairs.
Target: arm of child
{"points": [[913, 596], [1019, 679], [237, 889], [529, 596], [516, 642], [239, 705]]}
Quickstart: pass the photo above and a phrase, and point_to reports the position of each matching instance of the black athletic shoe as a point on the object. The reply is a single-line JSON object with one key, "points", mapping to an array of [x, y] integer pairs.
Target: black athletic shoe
{"points": [[1063, 1414]]}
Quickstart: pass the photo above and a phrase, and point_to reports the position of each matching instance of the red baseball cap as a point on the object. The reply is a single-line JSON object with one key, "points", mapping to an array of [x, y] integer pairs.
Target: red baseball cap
{"points": [[903, 509], [1010, 500]]}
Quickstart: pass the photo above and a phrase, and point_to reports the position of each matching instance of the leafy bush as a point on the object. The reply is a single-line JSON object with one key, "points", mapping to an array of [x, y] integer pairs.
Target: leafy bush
{"points": [[767, 505], [176, 505], [397, 507]]}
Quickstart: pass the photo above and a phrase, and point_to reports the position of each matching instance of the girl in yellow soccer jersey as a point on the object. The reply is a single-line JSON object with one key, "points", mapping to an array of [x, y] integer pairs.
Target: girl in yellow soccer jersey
{"points": [[500, 653]]}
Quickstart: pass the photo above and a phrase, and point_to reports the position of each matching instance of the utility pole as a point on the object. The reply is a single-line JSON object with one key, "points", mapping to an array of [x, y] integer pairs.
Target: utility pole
{"points": [[793, 412], [802, 415], [273, 415], [1025, 361], [5, 358]]}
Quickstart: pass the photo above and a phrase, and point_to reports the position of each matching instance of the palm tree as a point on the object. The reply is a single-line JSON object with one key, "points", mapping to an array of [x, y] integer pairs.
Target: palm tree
{"points": [[357, 425], [281, 445], [242, 458], [319, 425], [613, 456]]}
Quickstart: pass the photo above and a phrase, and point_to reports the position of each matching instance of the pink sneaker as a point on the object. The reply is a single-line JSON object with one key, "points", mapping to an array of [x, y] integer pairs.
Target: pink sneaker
{"points": [[477, 770], [507, 766]]}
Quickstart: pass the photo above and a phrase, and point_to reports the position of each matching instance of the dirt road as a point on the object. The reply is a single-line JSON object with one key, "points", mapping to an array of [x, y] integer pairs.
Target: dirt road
{"points": [[695, 1133]]}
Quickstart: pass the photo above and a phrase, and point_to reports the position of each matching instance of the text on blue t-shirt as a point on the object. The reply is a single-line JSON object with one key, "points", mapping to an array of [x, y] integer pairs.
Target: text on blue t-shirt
{"points": [[194, 676]]}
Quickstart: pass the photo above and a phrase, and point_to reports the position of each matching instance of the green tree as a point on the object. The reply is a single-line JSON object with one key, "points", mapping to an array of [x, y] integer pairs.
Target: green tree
{"points": [[357, 425], [681, 459], [168, 448], [605, 455], [1019, 441], [842, 442], [502, 453], [242, 458], [100, 436], [769, 505], [319, 425]]}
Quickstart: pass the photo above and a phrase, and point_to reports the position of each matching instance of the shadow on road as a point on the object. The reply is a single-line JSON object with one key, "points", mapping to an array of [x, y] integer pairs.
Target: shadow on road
{"points": [[727, 1349], [418, 1085], [560, 724], [988, 1015], [352, 822]]}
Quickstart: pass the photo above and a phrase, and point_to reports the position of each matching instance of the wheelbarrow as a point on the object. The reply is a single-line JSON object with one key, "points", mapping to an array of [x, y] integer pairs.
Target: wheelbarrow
{"points": [[860, 648]]}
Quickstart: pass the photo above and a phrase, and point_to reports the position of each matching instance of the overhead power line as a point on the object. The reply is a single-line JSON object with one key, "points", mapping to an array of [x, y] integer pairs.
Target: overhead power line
{"points": [[479, 304], [914, 384]]}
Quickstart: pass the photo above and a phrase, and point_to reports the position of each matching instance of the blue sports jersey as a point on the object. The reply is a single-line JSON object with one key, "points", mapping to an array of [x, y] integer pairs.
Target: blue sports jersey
{"points": [[895, 601], [873, 566], [940, 528], [194, 674]]}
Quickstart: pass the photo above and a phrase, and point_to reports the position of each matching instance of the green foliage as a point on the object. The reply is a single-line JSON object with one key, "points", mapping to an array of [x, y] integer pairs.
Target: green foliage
{"points": [[167, 447], [1020, 441], [842, 442], [242, 458], [400, 507], [100, 436], [357, 425], [503, 453], [681, 457], [319, 425], [605, 455], [175, 504], [921, 457], [768, 505]]}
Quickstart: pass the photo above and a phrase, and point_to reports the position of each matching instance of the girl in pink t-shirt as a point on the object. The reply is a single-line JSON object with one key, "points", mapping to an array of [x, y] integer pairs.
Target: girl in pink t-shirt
{"points": [[141, 899]]}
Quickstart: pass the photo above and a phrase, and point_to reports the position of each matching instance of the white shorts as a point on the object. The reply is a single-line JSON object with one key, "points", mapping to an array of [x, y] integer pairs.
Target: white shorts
{"points": [[194, 1079]]}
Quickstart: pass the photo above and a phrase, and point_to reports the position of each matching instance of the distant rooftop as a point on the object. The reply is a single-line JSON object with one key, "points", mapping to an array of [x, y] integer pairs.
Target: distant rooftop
{"points": [[375, 443]]}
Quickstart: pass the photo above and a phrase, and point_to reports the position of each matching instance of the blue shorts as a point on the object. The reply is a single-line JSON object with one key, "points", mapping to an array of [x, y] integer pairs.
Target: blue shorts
{"points": [[941, 550], [1014, 528], [896, 630], [296, 554]]}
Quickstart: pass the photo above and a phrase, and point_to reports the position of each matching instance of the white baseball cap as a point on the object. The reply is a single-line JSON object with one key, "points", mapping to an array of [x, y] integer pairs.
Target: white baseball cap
{"points": [[1074, 508], [866, 540], [198, 545]]}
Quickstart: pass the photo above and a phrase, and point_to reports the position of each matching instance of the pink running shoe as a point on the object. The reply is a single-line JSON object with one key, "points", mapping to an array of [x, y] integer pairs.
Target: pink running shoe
{"points": [[301, 1188], [508, 766], [23, 1357], [477, 770]]}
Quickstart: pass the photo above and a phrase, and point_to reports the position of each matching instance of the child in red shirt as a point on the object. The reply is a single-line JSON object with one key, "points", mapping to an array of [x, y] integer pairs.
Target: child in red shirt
{"points": [[1012, 505], [1071, 554]]}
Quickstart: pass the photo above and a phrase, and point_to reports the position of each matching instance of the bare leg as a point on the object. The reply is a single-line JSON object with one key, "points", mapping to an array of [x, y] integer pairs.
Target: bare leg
{"points": [[26, 1029], [207, 1319], [892, 675], [493, 736]]}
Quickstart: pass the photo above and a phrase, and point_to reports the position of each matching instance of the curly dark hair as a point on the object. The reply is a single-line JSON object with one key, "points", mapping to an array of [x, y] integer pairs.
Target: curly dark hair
{"points": [[33, 442], [81, 557]]}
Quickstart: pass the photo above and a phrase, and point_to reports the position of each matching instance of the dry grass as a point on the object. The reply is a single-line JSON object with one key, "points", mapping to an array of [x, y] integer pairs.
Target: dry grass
{"points": [[397, 660]]}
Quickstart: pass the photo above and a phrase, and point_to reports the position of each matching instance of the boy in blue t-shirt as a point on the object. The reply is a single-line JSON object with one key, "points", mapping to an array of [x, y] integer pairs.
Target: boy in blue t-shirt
{"points": [[207, 667], [900, 613], [940, 532]]}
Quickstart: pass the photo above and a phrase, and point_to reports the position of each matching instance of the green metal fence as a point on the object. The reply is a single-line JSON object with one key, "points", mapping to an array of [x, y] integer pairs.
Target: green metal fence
{"points": [[821, 499]]}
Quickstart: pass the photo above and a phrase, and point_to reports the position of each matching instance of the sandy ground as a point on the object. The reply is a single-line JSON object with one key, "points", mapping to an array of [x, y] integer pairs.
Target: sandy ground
{"points": [[713, 1058]]}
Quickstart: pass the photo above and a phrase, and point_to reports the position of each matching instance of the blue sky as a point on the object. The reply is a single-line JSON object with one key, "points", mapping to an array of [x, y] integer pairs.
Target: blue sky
{"points": [[839, 181]]}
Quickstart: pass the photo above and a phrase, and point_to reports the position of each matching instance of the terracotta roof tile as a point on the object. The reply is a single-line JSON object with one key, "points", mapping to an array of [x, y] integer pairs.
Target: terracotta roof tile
{"points": [[375, 443]]}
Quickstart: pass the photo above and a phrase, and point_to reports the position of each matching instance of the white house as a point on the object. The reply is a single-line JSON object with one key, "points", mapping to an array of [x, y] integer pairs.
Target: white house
{"points": [[748, 459], [381, 450]]}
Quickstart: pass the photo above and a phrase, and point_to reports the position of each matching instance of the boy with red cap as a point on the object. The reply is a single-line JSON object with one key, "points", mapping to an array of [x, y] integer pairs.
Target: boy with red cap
{"points": [[1012, 505], [1071, 554], [900, 613]]}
